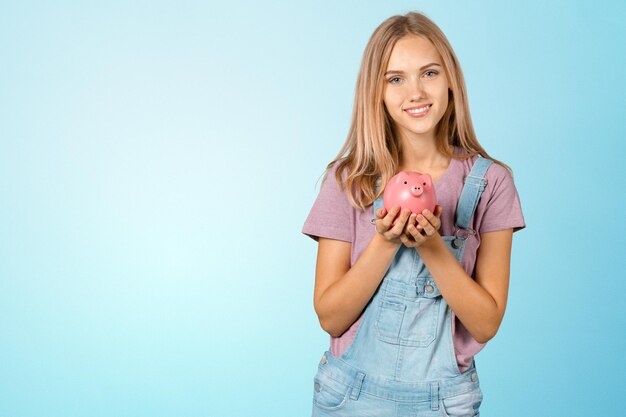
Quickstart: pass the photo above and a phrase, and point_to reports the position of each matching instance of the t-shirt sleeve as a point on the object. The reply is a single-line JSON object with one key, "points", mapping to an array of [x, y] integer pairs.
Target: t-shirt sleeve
{"points": [[331, 214], [503, 209]]}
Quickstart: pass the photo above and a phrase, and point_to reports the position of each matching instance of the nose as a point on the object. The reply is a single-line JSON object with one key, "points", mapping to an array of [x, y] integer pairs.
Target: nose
{"points": [[416, 90], [416, 190]]}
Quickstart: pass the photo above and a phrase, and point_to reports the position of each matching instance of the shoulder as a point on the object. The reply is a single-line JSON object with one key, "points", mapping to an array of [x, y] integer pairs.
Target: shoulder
{"points": [[330, 186], [498, 173], [499, 180], [495, 174], [330, 177], [331, 213], [335, 166], [500, 183], [501, 206]]}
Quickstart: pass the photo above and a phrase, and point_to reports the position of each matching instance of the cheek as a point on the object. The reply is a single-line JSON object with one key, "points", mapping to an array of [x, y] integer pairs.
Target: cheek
{"points": [[392, 100], [444, 103], [444, 93], [443, 100]]}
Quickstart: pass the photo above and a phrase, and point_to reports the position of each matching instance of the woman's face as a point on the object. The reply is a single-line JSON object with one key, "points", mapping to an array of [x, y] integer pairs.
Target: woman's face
{"points": [[416, 88]]}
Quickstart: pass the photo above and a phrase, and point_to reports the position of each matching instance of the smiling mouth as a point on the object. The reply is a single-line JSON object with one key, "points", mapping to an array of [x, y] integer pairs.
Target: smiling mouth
{"points": [[418, 111]]}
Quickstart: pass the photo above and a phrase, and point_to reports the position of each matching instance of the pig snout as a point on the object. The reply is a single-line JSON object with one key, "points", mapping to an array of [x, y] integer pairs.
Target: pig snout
{"points": [[417, 190]]}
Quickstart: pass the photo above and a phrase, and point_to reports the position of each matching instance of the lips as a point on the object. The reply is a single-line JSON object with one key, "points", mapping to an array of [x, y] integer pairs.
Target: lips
{"points": [[418, 111]]}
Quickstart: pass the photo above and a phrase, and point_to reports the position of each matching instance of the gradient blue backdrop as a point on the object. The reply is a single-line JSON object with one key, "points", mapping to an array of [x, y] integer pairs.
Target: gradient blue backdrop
{"points": [[158, 160]]}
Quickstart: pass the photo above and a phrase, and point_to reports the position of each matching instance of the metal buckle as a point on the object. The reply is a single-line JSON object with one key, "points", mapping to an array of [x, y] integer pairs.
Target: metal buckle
{"points": [[460, 235], [463, 233]]}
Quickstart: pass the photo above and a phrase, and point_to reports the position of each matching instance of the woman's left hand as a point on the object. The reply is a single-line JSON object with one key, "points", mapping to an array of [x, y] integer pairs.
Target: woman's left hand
{"points": [[428, 225]]}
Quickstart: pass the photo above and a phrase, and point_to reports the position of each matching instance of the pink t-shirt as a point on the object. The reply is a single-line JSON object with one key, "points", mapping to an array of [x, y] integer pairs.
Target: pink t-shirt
{"points": [[332, 216]]}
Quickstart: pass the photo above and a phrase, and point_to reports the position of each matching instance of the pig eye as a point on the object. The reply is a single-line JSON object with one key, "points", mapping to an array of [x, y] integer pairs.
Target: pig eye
{"points": [[405, 182], [424, 184]]}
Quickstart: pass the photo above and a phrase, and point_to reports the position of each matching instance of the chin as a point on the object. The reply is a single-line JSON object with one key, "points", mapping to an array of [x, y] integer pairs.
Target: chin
{"points": [[422, 131]]}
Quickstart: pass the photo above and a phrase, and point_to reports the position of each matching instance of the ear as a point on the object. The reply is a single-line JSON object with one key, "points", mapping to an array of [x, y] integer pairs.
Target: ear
{"points": [[428, 180], [401, 177]]}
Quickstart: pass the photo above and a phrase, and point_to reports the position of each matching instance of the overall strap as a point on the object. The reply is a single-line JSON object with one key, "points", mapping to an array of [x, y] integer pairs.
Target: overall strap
{"points": [[475, 183]]}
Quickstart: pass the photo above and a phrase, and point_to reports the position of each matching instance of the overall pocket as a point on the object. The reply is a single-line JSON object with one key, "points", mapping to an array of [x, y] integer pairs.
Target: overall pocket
{"points": [[462, 405], [408, 314], [328, 394]]}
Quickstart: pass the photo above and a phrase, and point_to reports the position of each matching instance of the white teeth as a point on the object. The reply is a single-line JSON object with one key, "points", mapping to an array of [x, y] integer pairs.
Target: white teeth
{"points": [[420, 110]]}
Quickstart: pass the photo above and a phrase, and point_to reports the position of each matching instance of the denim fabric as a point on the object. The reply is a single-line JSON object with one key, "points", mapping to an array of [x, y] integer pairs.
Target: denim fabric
{"points": [[401, 361]]}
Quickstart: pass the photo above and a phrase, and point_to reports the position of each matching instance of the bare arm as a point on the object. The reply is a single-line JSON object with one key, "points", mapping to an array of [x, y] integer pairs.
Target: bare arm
{"points": [[341, 293], [479, 304]]}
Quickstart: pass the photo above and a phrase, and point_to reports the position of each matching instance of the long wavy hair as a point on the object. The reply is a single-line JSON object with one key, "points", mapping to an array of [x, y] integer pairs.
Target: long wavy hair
{"points": [[372, 148]]}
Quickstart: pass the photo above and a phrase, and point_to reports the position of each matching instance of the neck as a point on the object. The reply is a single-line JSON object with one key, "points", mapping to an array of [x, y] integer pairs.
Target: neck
{"points": [[420, 153]]}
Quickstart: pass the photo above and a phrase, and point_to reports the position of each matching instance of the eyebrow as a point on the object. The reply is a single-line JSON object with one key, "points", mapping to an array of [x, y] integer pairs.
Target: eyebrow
{"points": [[401, 72]]}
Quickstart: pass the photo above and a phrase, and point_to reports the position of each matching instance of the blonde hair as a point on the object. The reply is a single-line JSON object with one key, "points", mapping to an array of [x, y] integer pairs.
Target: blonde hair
{"points": [[372, 146]]}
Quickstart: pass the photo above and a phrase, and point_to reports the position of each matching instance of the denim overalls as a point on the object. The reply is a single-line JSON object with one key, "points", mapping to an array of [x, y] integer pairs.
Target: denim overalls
{"points": [[402, 361]]}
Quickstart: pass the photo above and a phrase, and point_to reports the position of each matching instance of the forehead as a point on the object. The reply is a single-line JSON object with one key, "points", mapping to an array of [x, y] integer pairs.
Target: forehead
{"points": [[412, 51]]}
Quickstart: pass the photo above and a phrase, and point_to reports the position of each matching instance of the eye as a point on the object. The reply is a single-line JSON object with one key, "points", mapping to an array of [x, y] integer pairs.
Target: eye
{"points": [[431, 72], [424, 184], [391, 80], [405, 182]]}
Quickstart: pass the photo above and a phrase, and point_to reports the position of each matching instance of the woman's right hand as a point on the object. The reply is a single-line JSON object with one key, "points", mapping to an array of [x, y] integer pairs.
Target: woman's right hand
{"points": [[384, 220]]}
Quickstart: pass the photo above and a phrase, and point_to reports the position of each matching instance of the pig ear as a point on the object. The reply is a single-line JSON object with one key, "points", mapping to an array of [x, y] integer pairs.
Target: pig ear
{"points": [[429, 180], [401, 177]]}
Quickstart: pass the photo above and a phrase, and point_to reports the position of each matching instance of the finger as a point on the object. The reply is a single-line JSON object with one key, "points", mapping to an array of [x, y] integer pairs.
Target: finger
{"points": [[436, 223], [428, 228], [432, 219], [407, 241], [388, 219], [427, 213], [412, 220], [381, 212], [415, 232], [422, 221], [438, 210], [399, 226]]}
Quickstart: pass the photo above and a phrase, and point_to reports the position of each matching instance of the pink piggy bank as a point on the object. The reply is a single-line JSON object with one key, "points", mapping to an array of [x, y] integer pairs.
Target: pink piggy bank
{"points": [[411, 190]]}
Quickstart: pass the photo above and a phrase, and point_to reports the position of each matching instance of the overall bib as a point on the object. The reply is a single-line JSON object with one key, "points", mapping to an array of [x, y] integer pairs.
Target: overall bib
{"points": [[402, 361]]}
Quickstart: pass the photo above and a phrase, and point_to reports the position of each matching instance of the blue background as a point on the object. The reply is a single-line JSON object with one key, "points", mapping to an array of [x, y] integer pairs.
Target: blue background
{"points": [[158, 161]]}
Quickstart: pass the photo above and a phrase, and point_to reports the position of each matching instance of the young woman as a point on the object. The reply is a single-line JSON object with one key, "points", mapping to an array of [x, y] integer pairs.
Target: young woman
{"points": [[408, 306]]}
